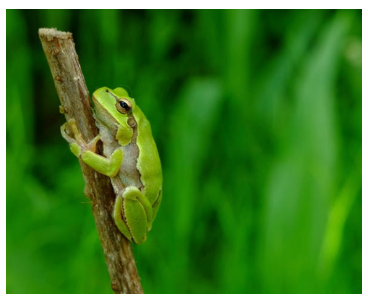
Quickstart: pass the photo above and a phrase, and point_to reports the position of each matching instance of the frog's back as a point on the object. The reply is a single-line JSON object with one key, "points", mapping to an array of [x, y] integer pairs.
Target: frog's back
{"points": [[148, 164]]}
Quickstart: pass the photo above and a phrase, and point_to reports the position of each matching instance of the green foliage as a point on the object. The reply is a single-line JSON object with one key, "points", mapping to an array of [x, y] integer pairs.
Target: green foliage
{"points": [[258, 120]]}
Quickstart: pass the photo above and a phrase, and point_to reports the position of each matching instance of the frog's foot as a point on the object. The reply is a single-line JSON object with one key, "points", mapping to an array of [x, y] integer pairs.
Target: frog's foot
{"points": [[133, 214], [71, 134]]}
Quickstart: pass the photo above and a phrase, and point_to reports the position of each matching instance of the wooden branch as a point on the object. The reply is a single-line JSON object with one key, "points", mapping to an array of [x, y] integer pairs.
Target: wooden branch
{"points": [[74, 97]]}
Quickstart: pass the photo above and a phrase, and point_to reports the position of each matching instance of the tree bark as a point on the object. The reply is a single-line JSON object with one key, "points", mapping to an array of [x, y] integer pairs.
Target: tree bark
{"points": [[74, 97]]}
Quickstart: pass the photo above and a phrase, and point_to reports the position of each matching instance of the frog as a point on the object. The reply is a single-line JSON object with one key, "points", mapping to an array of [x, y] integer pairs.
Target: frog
{"points": [[130, 159]]}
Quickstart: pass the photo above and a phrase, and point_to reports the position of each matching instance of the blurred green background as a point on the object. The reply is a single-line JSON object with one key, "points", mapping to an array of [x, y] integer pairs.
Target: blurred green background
{"points": [[258, 119]]}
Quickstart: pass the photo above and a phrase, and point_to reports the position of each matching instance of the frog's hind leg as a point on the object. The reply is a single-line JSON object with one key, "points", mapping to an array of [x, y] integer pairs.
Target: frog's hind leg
{"points": [[133, 214], [120, 219]]}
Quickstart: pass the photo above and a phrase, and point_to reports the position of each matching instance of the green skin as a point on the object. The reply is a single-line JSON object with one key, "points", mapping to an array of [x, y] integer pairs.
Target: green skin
{"points": [[130, 158]]}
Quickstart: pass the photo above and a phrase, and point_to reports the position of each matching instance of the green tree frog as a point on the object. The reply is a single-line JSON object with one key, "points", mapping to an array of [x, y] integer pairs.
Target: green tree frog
{"points": [[130, 158]]}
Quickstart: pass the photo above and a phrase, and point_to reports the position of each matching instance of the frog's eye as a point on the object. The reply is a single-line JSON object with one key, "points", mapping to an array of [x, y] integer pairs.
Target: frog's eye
{"points": [[123, 106]]}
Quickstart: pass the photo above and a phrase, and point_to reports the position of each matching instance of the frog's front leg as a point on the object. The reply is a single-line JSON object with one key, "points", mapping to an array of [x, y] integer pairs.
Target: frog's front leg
{"points": [[133, 214], [87, 151]]}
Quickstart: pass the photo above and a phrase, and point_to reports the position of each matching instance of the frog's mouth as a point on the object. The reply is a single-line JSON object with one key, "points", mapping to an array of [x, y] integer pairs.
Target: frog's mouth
{"points": [[100, 112]]}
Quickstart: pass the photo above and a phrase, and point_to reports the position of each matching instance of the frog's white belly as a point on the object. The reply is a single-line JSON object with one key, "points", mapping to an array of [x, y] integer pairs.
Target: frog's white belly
{"points": [[129, 173]]}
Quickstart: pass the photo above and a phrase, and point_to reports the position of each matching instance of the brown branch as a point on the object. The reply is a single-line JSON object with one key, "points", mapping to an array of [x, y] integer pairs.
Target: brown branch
{"points": [[74, 97]]}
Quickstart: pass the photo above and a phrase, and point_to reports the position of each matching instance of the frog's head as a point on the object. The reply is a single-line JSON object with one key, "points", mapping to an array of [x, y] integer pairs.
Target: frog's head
{"points": [[113, 105]]}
